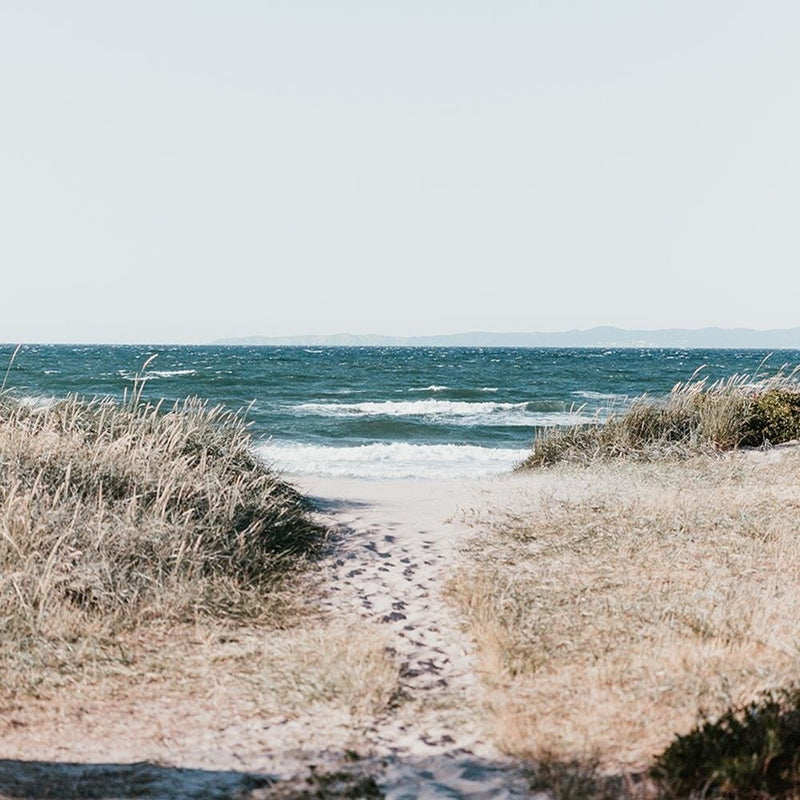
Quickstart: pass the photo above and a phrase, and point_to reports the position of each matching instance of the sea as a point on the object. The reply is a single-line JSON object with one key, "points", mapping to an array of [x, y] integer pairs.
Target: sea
{"points": [[382, 412]]}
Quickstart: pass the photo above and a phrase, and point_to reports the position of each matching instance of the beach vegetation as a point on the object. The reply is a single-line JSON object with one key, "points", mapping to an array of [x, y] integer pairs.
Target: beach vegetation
{"points": [[750, 753], [112, 515], [153, 568], [622, 609], [696, 417], [773, 417]]}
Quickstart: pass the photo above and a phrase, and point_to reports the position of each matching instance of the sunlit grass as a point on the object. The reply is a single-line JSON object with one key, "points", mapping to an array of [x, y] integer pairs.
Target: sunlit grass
{"points": [[617, 604], [112, 515], [696, 417]]}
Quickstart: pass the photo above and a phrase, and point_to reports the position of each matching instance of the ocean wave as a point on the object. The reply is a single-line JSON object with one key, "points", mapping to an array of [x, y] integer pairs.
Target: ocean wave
{"points": [[454, 392], [452, 412], [410, 408], [599, 395], [396, 460], [37, 402], [170, 373], [128, 375]]}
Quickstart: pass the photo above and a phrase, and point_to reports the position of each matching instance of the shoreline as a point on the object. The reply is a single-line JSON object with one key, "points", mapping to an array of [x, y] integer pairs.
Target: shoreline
{"points": [[390, 461]]}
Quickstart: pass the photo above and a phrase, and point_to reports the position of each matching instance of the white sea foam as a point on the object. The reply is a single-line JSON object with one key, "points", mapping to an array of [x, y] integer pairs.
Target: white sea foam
{"points": [[37, 402], [411, 408], [155, 373], [396, 460], [599, 395], [452, 412], [170, 373], [434, 387]]}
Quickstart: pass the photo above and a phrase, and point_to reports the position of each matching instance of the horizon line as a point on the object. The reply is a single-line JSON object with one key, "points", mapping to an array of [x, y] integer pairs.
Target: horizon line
{"points": [[232, 340]]}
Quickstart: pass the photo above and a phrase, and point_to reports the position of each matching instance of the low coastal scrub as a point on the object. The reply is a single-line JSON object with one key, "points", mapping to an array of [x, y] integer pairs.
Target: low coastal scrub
{"points": [[696, 417], [616, 604], [116, 514], [749, 753]]}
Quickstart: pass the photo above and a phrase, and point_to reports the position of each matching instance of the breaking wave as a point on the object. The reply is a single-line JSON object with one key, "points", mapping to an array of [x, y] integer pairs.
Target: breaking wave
{"points": [[452, 411], [395, 460]]}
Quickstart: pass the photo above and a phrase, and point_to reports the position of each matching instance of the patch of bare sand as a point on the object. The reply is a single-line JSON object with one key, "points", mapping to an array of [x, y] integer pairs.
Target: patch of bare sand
{"points": [[251, 707]]}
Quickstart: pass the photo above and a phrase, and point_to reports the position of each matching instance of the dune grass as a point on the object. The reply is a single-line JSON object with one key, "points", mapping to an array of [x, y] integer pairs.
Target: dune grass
{"points": [[157, 592], [637, 615], [696, 417], [617, 604], [113, 515]]}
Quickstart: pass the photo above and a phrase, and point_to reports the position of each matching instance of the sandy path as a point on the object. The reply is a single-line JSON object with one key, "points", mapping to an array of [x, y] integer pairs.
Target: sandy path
{"points": [[395, 547]]}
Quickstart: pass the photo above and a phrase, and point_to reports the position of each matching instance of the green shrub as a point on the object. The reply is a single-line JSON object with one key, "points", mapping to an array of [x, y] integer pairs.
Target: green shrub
{"points": [[753, 752], [774, 418]]}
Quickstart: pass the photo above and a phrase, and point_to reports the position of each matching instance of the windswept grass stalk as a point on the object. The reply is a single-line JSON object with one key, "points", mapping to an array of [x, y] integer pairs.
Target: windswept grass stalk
{"points": [[696, 417], [8, 368]]}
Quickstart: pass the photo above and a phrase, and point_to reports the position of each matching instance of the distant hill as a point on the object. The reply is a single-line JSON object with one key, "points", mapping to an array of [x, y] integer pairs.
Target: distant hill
{"points": [[778, 339]]}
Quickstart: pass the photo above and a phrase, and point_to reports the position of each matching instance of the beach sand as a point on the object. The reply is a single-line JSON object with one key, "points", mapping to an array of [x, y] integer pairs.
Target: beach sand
{"points": [[393, 546], [397, 544]]}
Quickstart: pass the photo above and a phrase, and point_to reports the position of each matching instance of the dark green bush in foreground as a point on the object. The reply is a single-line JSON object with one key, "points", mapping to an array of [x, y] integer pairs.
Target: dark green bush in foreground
{"points": [[747, 753]]}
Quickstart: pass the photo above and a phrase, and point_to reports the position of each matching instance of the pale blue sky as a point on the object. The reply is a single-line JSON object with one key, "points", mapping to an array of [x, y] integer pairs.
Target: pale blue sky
{"points": [[183, 171]]}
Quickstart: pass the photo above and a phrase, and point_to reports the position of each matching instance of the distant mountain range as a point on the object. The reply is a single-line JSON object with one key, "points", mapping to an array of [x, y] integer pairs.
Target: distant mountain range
{"points": [[778, 339], [783, 338]]}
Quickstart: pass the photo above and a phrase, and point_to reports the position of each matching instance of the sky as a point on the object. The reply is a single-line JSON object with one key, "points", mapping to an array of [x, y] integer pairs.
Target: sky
{"points": [[182, 171]]}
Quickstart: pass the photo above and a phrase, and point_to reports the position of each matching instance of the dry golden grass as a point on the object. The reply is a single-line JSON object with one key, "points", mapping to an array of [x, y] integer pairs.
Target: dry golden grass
{"points": [[207, 690], [618, 600], [113, 517], [155, 592], [696, 417], [308, 669]]}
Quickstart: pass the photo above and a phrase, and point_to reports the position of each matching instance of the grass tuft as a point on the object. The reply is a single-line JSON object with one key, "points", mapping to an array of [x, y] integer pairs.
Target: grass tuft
{"points": [[612, 602], [112, 514], [697, 417]]}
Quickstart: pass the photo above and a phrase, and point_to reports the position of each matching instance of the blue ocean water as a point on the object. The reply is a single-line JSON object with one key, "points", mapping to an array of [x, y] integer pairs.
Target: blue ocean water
{"points": [[383, 412]]}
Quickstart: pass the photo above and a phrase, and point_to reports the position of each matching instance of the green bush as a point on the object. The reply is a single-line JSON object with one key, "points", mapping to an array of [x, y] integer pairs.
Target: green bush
{"points": [[774, 418], [748, 753]]}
